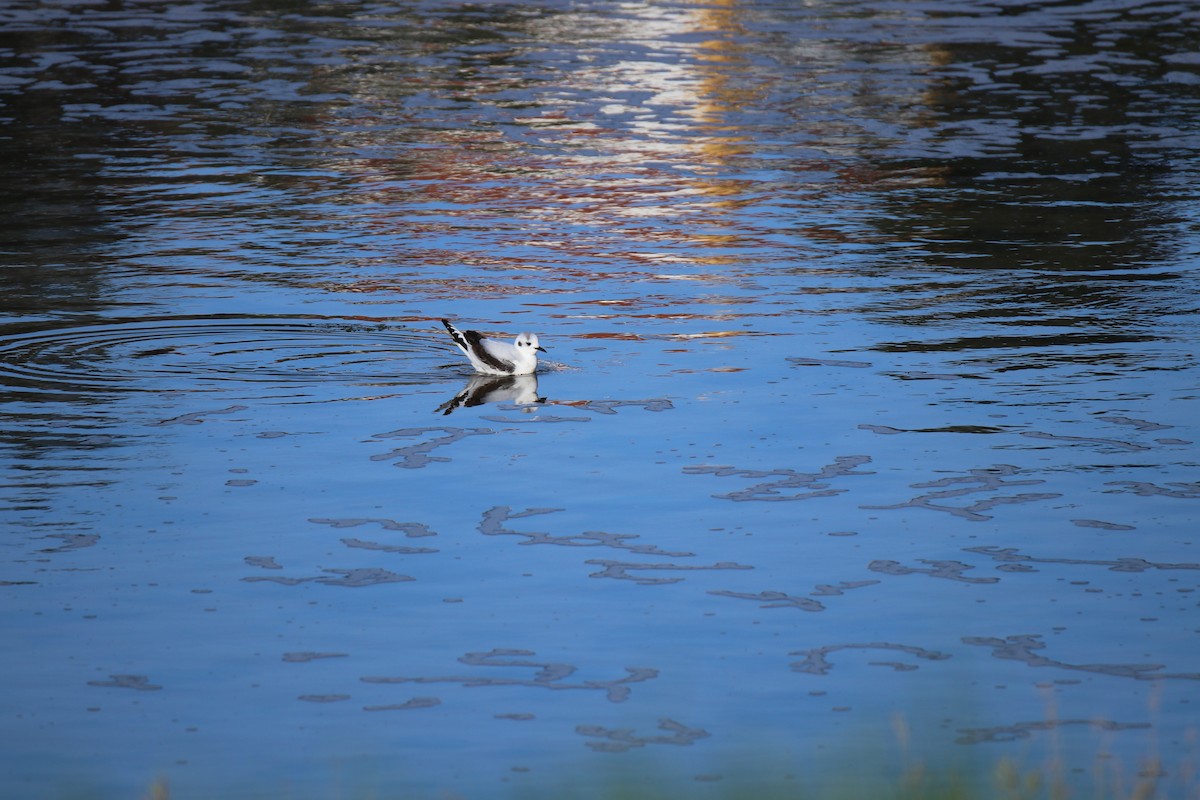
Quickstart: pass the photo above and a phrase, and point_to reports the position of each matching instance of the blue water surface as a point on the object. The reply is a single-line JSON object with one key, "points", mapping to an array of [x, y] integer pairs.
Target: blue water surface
{"points": [[865, 439]]}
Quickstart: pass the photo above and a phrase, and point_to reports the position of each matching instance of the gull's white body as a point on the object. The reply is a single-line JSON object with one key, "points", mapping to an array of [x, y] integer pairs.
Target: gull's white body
{"points": [[492, 357]]}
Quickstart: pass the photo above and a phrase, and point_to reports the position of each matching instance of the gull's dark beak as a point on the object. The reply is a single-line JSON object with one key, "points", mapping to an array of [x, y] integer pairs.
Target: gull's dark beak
{"points": [[542, 349]]}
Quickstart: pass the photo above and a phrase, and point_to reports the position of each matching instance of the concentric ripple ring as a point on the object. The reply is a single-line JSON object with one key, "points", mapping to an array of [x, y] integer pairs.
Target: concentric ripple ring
{"points": [[210, 353]]}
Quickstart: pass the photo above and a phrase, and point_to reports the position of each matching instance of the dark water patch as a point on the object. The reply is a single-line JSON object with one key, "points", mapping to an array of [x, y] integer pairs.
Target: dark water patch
{"points": [[1102, 525], [769, 491], [139, 683], [408, 705], [72, 541], [1037, 350], [412, 530], [624, 570], [1024, 647], [323, 698], [362, 544], [1023, 730], [888, 430], [950, 570], [1109, 444], [547, 674], [611, 406], [416, 456], [620, 740], [840, 588], [305, 656], [494, 519], [777, 599], [199, 417], [802, 361], [263, 562], [1010, 555], [895, 666], [816, 660], [1140, 424], [1185, 490], [773, 599], [353, 578], [885, 430], [987, 479], [921, 375]]}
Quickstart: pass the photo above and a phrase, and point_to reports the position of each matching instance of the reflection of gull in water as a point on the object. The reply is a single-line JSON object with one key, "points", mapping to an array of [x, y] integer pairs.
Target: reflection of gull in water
{"points": [[492, 357], [518, 389]]}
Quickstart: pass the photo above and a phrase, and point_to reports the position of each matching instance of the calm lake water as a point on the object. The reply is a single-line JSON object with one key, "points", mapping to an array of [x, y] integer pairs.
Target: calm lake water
{"points": [[866, 436]]}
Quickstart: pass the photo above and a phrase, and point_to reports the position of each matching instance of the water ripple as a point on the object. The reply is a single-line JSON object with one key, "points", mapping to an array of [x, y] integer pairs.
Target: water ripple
{"points": [[211, 354]]}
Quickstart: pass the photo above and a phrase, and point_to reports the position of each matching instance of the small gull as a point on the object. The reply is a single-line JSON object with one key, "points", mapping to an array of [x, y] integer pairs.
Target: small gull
{"points": [[490, 357]]}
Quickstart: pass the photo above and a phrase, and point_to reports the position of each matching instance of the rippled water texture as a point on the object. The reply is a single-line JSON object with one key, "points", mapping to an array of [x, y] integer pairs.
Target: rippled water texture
{"points": [[865, 438]]}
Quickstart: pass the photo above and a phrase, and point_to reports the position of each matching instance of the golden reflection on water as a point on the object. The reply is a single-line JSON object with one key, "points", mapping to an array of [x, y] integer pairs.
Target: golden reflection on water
{"points": [[644, 182], [681, 145]]}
